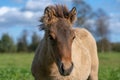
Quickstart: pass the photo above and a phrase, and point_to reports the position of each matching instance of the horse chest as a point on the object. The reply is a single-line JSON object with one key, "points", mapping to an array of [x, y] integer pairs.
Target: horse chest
{"points": [[53, 74]]}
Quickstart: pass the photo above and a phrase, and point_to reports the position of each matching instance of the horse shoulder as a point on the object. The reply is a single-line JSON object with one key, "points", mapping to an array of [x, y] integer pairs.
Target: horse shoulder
{"points": [[81, 56], [89, 42]]}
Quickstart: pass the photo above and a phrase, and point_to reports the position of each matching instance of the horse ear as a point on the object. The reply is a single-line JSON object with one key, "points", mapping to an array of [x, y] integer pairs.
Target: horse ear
{"points": [[72, 15], [49, 15]]}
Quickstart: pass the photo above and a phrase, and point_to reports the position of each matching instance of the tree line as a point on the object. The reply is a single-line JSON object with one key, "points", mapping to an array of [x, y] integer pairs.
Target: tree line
{"points": [[7, 44]]}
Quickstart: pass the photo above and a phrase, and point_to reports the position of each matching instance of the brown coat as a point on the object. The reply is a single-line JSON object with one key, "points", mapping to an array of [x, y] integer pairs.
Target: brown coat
{"points": [[84, 56]]}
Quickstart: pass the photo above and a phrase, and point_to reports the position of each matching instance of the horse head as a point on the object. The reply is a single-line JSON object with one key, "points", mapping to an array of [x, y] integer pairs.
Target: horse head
{"points": [[58, 21]]}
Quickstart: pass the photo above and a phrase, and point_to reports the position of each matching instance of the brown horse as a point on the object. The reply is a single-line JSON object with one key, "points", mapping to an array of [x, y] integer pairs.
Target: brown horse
{"points": [[64, 53]]}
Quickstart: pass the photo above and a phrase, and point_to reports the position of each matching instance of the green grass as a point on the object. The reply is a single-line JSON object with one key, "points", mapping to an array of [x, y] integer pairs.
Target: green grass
{"points": [[17, 66], [109, 68]]}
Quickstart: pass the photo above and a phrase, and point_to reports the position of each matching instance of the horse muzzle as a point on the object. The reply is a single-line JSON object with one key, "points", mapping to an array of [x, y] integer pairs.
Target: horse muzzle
{"points": [[65, 71]]}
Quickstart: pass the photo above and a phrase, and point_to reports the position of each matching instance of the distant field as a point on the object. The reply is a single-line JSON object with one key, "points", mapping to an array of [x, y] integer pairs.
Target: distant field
{"points": [[17, 66]]}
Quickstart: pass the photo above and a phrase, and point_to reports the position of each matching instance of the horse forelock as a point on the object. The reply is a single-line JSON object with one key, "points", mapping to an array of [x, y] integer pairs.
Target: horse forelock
{"points": [[59, 11]]}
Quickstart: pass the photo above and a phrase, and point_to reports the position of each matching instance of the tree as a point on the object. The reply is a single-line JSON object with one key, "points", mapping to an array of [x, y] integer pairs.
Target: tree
{"points": [[7, 44], [85, 15], [84, 12], [102, 30], [97, 22], [104, 45], [102, 25], [116, 46], [22, 45], [35, 42]]}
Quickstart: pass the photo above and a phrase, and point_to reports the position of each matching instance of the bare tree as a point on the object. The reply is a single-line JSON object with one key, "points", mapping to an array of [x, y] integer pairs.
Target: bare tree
{"points": [[22, 45], [35, 41], [102, 30], [85, 15], [84, 12], [97, 22]]}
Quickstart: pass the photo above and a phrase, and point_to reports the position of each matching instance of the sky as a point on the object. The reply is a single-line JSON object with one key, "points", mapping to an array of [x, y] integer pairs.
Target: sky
{"points": [[19, 15]]}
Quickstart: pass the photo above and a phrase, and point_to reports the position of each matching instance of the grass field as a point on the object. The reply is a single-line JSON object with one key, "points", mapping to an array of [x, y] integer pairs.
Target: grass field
{"points": [[17, 66]]}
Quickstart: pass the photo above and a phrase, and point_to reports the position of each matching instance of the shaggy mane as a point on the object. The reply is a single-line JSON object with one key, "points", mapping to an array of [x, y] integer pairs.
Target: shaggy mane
{"points": [[60, 11]]}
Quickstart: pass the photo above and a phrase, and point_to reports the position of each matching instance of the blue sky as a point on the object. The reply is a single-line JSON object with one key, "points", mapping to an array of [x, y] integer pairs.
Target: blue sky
{"points": [[17, 15]]}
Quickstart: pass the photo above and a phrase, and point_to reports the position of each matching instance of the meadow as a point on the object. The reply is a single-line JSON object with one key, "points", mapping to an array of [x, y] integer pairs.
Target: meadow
{"points": [[17, 66]]}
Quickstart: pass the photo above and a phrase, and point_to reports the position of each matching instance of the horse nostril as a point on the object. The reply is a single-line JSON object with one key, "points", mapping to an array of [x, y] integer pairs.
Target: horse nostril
{"points": [[64, 71], [62, 68]]}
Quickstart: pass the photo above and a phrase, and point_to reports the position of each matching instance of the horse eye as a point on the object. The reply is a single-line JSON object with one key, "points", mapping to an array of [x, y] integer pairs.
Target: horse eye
{"points": [[73, 37], [50, 37]]}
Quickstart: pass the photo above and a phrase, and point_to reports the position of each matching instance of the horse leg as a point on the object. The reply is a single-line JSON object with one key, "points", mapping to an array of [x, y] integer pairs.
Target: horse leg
{"points": [[93, 75], [94, 69]]}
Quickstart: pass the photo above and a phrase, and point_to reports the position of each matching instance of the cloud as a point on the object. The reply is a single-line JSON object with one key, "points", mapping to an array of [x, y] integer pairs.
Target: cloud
{"points": [[37, 5], [15, 17], [28, 16], [115, 23], [18, 1], [3, 10]]}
